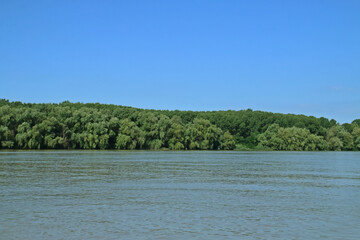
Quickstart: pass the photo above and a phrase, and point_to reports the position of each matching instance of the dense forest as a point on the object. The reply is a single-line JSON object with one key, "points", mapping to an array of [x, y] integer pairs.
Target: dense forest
{"points": [[103, 126]]}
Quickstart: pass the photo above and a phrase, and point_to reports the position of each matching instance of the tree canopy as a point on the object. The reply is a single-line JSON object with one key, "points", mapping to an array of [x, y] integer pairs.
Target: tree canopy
{"points": [[102, 126]]}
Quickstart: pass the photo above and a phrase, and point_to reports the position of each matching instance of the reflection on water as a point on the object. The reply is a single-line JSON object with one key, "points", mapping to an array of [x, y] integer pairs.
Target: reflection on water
{"points": [[179, 195]]}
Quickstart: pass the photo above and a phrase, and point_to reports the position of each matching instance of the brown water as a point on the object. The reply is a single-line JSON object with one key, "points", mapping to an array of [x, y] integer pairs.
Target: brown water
{"points": [[179, 195]]}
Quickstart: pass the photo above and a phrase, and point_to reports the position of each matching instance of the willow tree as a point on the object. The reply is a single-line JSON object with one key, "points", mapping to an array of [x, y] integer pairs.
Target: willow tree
{"points": [[130, 136]]}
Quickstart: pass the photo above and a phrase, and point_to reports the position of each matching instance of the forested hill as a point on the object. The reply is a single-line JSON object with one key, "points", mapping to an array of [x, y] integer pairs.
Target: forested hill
{"points": [[102, 126]]}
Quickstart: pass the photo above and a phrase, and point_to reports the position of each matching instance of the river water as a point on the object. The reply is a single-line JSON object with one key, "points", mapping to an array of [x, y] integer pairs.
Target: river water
{"points": [[179, 195]]}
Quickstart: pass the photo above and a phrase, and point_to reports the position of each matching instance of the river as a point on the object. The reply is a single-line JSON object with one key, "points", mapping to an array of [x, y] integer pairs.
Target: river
{"points": [[179, 195]]}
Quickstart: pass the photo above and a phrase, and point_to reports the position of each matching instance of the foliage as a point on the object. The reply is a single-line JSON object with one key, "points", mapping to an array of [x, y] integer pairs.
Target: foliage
{"points": [[100, 126], [291, 139]]}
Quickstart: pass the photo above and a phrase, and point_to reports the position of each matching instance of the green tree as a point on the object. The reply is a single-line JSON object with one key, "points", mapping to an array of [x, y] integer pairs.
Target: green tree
{"points": [[227, 141], [130, 136], [339, 138], [175, 134], [356, 135], [6, 139]]}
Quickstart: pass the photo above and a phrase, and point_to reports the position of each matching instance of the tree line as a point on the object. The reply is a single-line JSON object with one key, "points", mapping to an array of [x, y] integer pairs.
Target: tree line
{"points": [[104, 126]]}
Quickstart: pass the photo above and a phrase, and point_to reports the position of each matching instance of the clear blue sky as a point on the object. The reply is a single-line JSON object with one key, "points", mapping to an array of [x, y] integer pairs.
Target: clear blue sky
{"points": [[298, 57]]}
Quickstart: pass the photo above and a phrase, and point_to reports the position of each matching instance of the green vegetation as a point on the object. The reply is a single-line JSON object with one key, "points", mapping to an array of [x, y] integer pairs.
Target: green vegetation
{"points": [[100, 126]]}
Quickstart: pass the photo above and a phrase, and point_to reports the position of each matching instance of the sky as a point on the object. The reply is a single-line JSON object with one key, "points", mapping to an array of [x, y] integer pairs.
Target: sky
{"points": [[300, 57]]}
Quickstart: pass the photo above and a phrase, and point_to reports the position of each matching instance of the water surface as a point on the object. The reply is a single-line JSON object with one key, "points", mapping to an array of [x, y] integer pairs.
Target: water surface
{"points": [[179, 195]]}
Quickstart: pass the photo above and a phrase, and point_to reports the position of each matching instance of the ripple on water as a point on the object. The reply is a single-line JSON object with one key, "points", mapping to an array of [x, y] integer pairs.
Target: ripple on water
{"points": [[179, 195]]}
